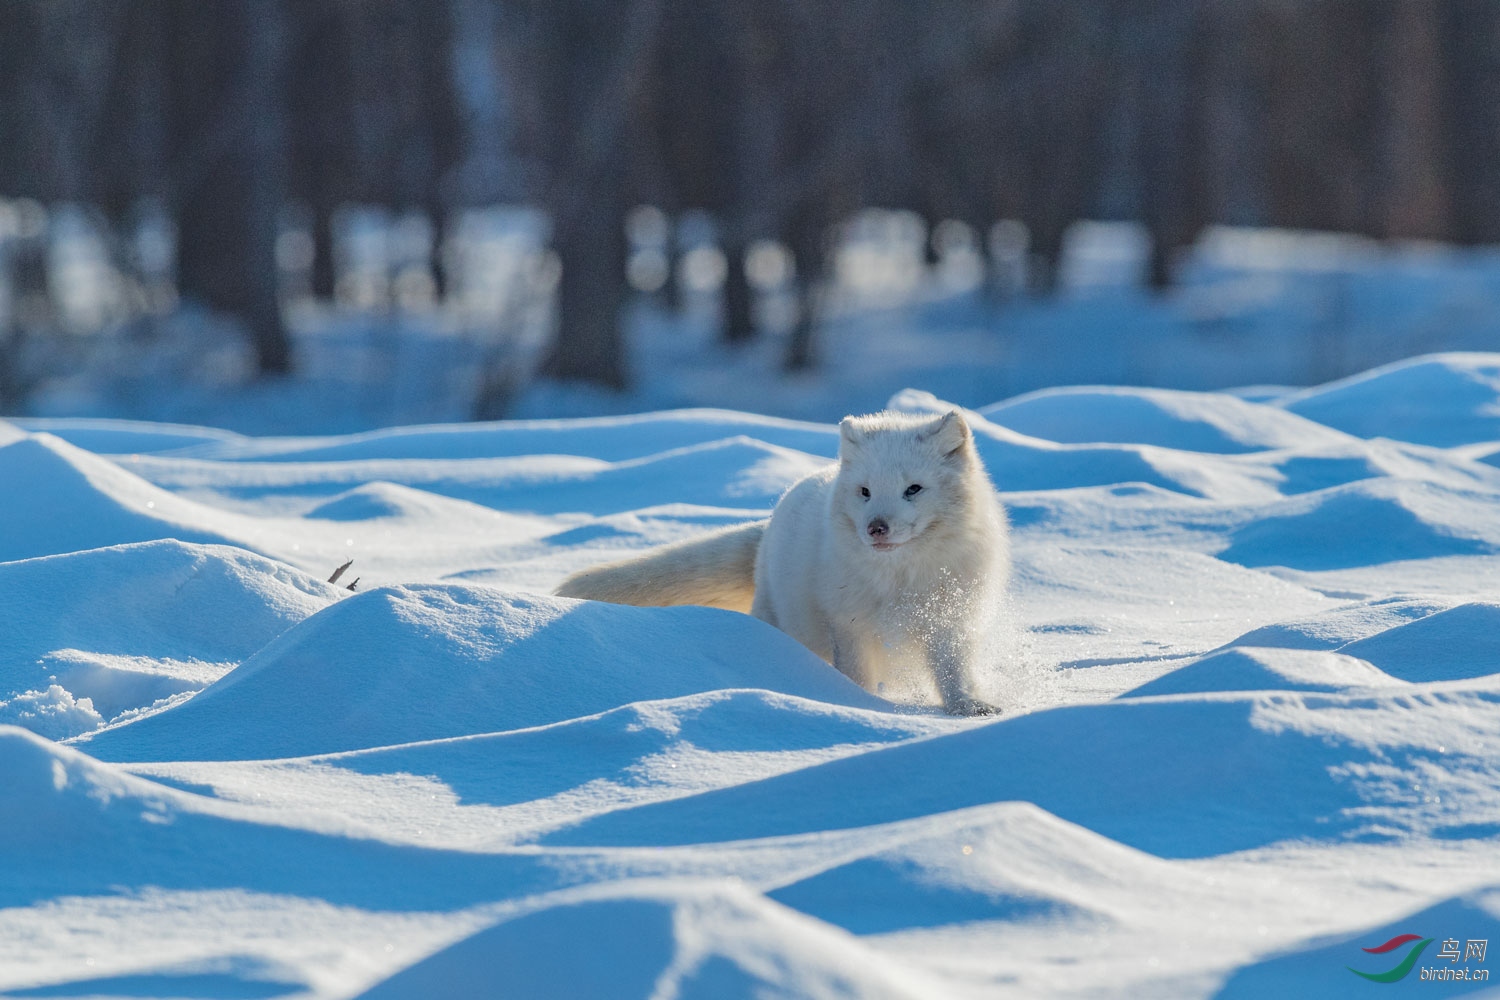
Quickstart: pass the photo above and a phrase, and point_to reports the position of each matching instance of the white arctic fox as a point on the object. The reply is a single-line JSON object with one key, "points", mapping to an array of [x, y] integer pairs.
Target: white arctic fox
{"points": [[890, 559]]}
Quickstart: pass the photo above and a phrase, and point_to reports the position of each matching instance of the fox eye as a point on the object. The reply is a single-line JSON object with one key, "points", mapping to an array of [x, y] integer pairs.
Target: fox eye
{"points": [[864, 491], [912, 490]]}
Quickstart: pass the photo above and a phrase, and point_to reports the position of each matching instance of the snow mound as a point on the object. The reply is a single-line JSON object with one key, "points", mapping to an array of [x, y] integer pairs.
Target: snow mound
{"points": [[1177, 777], [513, 767], [498, 790], [689, 941], [1333, 628], [122, 437], [1454, 644], [1208, 602], [380, 500], [75, 500], [1251, 668], [1304, 473], [122, 627], [80, 826], [611, 439], [371, 501], [1366, 524], [1323, 970], [53, 713], [166, 598], [55, 794], [1040, 465], [402, 664], [1188, 421], [236, 976], [1440, 399], [1009, 861], [738, 471], [1020, 462]]}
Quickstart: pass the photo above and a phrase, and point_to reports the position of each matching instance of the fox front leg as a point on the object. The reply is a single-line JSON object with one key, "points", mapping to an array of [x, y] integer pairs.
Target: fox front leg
{"points": [[952, 660], [852, 659]]}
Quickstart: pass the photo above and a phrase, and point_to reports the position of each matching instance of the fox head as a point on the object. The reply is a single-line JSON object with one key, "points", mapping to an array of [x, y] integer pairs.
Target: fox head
{"points": [[899, 476]]}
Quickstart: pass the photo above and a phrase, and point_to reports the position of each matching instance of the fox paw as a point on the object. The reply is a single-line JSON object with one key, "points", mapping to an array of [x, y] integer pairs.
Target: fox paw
{"points": [[969, 706]]}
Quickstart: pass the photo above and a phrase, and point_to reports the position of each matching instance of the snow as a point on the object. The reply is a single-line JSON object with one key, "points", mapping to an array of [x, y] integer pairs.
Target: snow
{"points": [[428, 661], [709, 940], [1249, 711], [1443, 401], [1168, 418]]}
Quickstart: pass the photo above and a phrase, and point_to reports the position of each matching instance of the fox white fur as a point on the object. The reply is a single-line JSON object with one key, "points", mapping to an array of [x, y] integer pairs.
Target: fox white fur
{"points": [[889, 560]]}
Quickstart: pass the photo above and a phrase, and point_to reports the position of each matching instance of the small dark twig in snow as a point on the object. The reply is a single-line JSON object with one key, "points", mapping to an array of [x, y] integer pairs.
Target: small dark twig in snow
{"points": [[340, 572], [354, 584]]}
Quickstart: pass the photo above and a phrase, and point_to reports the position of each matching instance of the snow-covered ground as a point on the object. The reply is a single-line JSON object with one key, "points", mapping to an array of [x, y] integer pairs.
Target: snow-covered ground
{"points": [[1251, 726]]}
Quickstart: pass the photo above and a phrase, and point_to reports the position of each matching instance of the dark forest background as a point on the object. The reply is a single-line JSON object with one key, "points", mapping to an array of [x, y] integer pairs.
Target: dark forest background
{"points": [[779, 118]]}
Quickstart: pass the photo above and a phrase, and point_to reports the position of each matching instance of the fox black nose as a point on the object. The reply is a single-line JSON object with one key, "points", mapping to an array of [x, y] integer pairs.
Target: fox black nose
{"points": [[878, 528]]}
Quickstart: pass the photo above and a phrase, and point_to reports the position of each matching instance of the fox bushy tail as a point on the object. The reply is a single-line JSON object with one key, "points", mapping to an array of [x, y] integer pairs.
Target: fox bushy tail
{"points": [[717, 570]]}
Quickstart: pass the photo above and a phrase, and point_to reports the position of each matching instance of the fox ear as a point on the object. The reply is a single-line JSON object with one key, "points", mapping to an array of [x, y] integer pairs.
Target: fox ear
{"points": [[950, 434], [851, 436]]}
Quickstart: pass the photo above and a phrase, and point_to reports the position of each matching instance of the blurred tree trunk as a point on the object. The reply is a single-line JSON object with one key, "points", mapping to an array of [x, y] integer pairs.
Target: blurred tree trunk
{"points": [[266, 148], [1471, 143], [319, 91], [693, 113], [1170, 168], [230, 176], [671, 290], [582, 68], [324, 275], [800, 351], [1415, 188], [426, 129], [1322, 130], [437, 213], [590, 243], [739, 297], [805, 236], [1231, 129]]}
